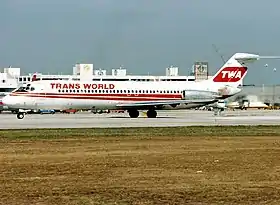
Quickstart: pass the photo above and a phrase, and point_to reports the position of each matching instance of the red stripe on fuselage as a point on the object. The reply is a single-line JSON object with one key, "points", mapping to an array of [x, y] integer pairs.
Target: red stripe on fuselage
{"points": [[155, 95], [105, 96]]}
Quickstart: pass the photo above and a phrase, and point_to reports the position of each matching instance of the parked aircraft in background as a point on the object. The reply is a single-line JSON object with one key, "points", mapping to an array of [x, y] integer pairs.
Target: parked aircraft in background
{"points": [[245, 102]]}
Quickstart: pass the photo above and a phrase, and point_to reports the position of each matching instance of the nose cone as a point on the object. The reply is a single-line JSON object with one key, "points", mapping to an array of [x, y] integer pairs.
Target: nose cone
{"points": [[8, 101]]}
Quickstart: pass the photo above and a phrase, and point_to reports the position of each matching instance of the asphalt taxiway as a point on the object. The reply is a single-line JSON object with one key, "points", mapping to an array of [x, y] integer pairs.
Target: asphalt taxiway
{"points": [[164, 119]]}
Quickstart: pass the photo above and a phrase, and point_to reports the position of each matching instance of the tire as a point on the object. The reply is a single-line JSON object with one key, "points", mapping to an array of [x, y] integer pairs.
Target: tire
{"points": [[20, 116]]}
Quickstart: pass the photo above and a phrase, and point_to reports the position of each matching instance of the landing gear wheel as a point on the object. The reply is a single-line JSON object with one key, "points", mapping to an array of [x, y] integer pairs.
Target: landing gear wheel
{"points": [[133, 113], [20, 115], [152, 114]]}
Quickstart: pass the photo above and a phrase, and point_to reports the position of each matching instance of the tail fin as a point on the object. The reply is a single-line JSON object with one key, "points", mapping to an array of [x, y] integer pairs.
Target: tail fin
{"points": [[34, 77], [235, 69]]}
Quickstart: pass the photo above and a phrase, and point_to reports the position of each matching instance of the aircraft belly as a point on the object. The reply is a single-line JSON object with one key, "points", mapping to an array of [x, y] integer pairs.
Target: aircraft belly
{"points": [[86, 104], [64, 103], [182, 106]]}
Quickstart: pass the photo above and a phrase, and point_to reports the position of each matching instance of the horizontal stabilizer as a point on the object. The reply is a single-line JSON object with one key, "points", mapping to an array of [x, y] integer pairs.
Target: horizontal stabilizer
{"points": [[247, 57], [269, 57]]}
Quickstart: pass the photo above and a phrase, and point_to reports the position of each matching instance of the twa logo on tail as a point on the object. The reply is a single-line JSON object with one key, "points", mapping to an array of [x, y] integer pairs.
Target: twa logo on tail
{"points": [[230, 74]]}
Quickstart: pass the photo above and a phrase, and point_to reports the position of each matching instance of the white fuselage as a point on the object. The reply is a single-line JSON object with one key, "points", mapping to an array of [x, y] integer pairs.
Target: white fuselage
{"points": [[101, 94]]}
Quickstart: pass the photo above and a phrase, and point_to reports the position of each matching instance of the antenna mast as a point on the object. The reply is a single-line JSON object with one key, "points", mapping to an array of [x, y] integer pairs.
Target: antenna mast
{"points": [[217, 51]]}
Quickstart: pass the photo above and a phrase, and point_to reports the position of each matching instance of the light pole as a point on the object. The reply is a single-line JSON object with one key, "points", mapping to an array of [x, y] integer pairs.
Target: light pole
{"points": [[273, 98]]}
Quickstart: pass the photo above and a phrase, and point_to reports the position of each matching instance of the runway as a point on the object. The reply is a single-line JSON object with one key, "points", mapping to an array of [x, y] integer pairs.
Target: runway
{"points": [[165, 118]]}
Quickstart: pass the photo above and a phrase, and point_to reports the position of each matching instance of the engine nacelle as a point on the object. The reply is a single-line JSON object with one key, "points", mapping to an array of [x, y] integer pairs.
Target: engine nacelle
{"points": [[199, 95]]}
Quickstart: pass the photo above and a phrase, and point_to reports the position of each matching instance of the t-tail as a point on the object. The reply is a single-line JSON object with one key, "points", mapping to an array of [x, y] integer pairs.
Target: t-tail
{"points": [[34, 77], [235, 69]]}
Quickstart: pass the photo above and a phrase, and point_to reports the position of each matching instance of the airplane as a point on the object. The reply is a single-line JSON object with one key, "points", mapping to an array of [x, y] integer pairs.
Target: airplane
{"points": [[130, 95]]}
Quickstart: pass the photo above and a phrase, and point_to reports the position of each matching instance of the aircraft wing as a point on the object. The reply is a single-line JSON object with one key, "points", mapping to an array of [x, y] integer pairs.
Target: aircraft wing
{"points": [[165, 102]]}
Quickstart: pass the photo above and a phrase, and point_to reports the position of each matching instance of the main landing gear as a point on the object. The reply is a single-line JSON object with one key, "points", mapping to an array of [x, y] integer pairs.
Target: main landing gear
{"points": [[152, 114], [133, 113]]}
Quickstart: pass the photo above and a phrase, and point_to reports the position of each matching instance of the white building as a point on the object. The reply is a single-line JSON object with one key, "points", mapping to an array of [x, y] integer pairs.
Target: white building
{"points": [[172, 71], [9, 80], [86, 72]]}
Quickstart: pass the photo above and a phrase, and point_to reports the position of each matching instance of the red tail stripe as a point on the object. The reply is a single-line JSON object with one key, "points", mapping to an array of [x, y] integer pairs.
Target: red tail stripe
{"points": [[230, 74]]}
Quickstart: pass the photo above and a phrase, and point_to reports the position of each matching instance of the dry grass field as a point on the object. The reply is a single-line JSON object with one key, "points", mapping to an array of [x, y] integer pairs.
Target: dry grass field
{"points": [[187, 165]]}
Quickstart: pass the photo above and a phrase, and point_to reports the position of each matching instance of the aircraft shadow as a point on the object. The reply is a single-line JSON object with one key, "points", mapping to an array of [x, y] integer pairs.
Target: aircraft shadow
{"points": [[141, 117]]}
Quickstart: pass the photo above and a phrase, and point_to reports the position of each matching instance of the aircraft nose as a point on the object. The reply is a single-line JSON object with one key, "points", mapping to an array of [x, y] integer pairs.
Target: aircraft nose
{"points": [[7, 100]]}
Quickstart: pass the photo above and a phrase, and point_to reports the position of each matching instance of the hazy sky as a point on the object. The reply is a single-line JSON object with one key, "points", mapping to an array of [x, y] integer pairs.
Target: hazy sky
{"points": [[145, 36]]}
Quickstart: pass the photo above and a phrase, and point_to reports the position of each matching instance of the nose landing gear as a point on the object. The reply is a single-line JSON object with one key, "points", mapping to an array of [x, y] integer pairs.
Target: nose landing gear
{"points": [[20, 115]]}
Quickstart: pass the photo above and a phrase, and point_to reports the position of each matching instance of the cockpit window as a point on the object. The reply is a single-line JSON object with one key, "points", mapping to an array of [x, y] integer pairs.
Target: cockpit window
{"points": [[21, 89], [25, 88]]}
